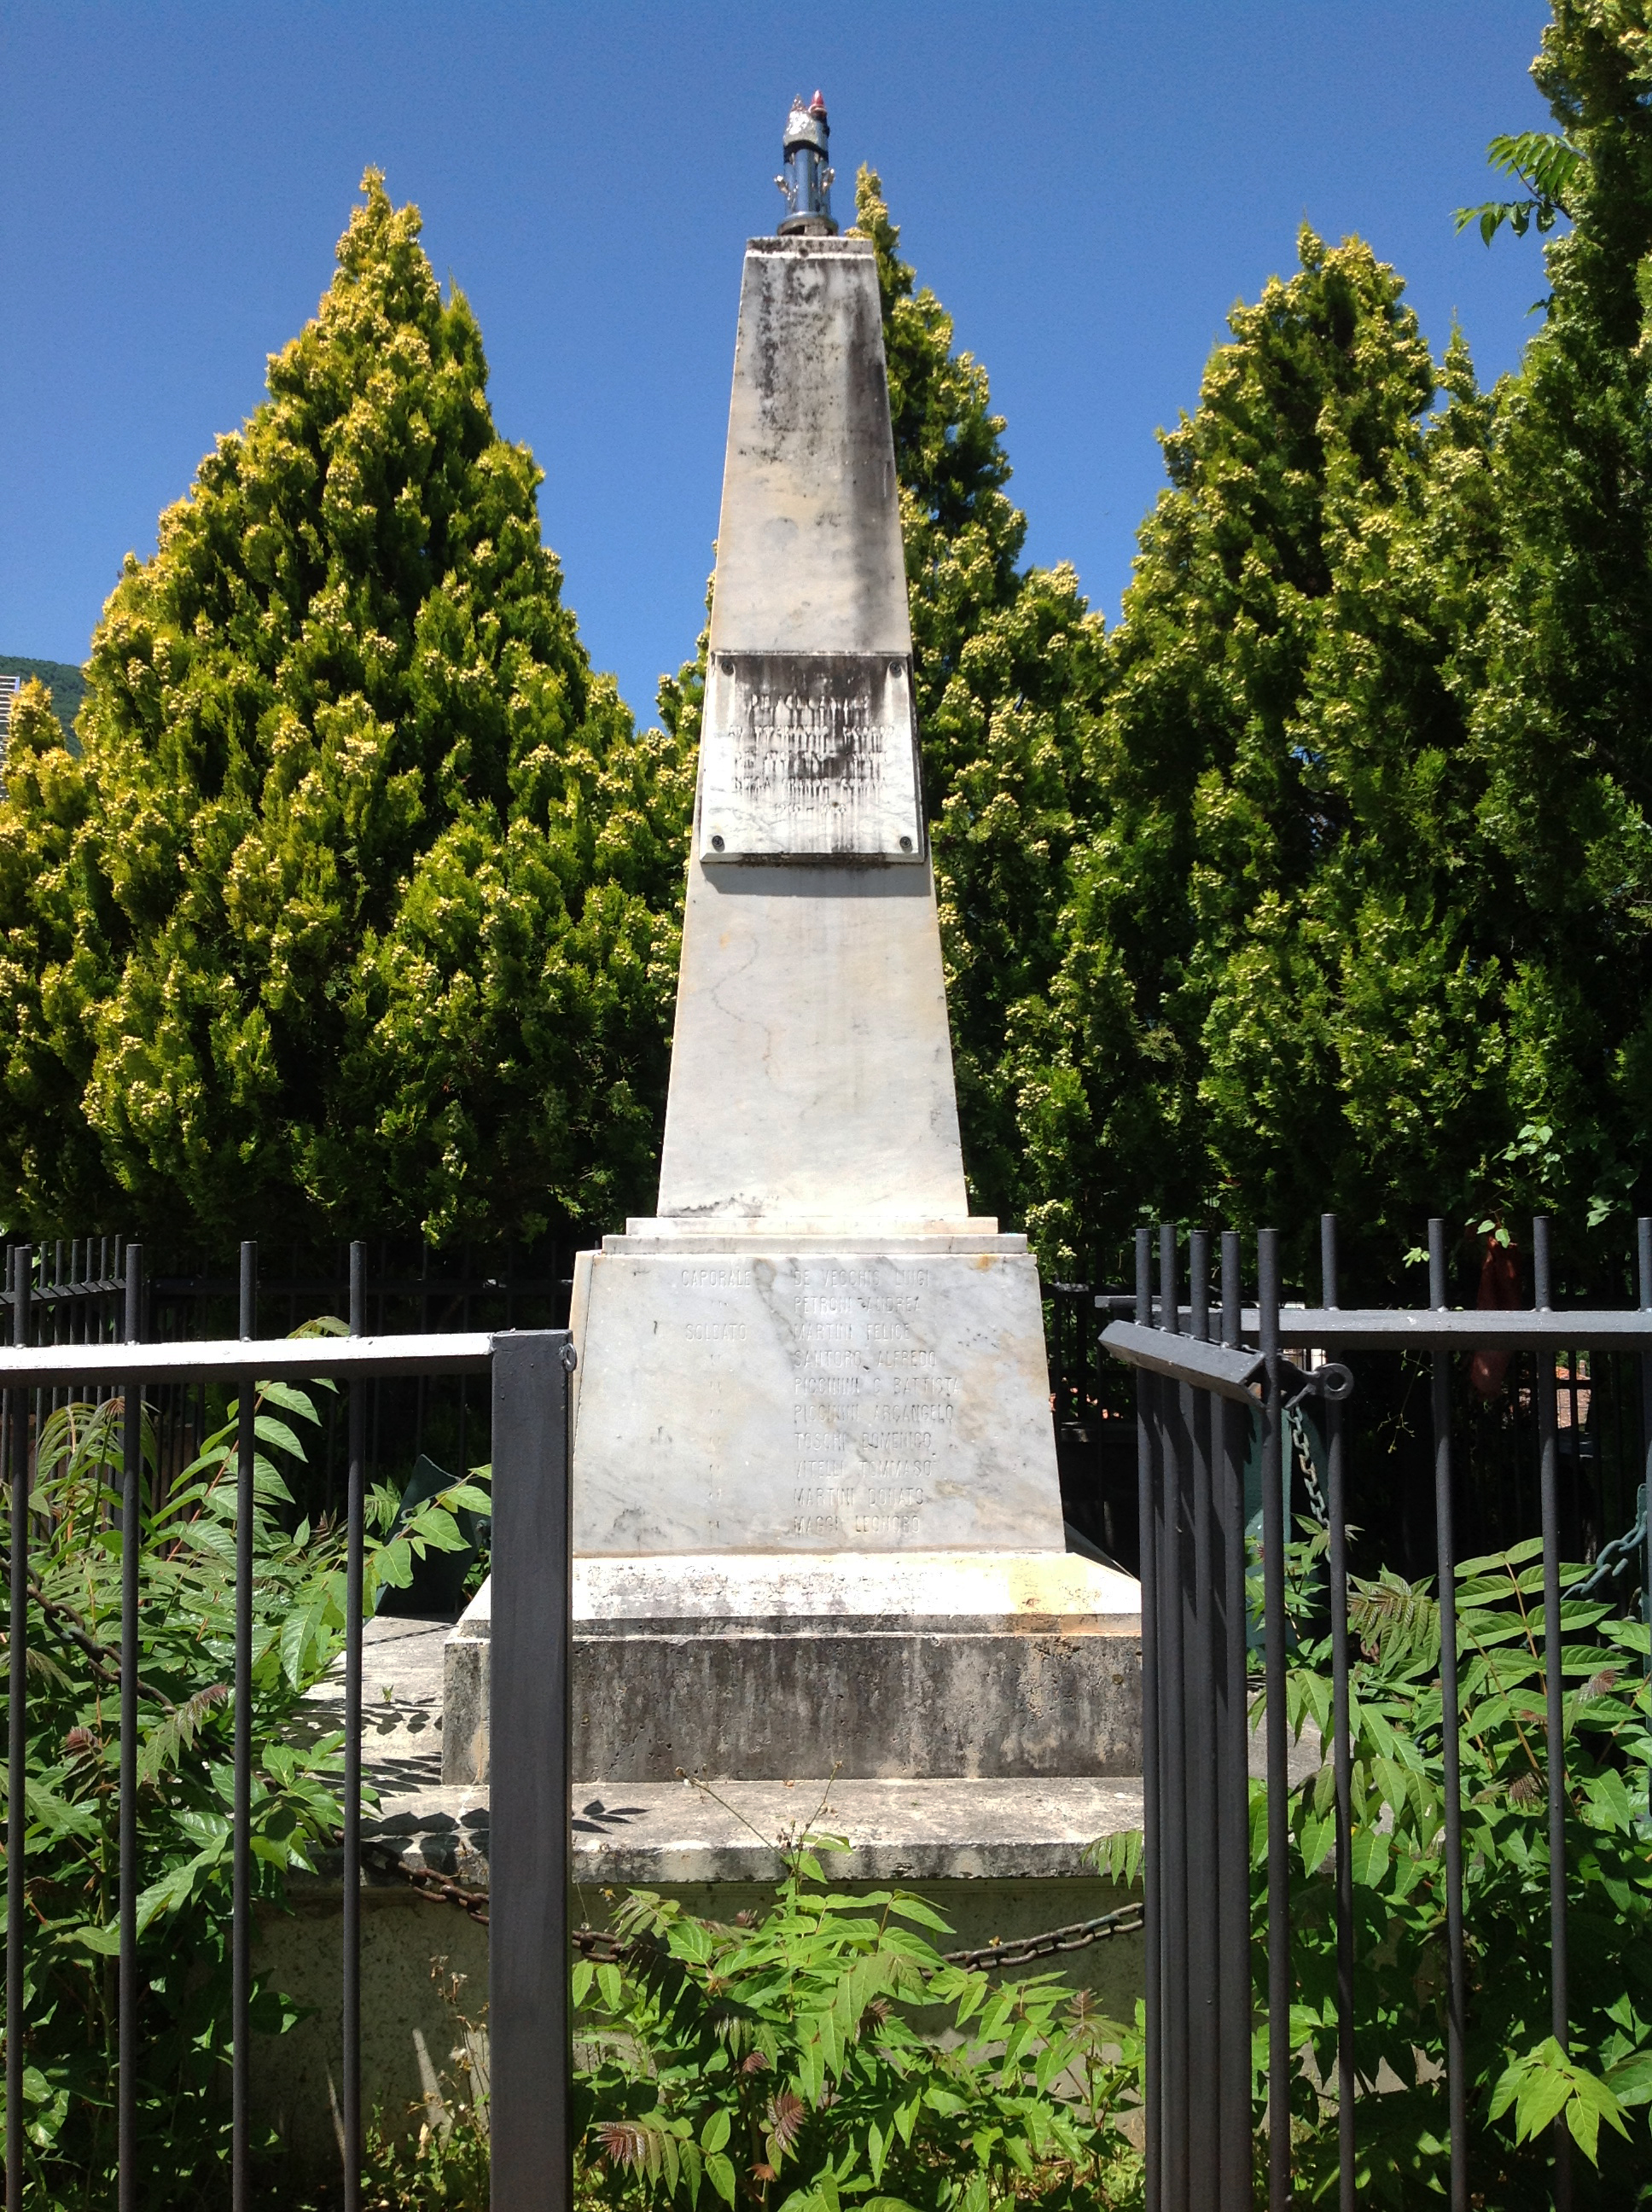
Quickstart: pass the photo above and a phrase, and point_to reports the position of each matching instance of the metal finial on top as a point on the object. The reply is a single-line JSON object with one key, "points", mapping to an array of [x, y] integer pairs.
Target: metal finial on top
{"points": [[807, 181]]}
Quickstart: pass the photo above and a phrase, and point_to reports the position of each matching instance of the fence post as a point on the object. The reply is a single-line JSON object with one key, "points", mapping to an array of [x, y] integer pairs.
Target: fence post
{"points": [[1176, 2106], [1554, 1683], [1202, 1682], [1152, 1913], [530, 2055], [22, 1258], [1446, 1546], [1643, 1277], [131, 1547], [356, 1534], [241, 2000], [1233, 1697], [1341, 1748], [1275, 1536]]}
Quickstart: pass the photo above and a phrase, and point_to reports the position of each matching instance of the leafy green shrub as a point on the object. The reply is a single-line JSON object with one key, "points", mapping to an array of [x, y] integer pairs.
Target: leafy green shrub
{"points": [[186, 1717], [1517, 2079], [828, 2054], [816, 2054]]}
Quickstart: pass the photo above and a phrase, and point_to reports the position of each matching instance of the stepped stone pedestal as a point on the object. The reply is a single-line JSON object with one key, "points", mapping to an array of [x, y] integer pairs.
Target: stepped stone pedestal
{"points": [[817, 1512], [930, 1666]]}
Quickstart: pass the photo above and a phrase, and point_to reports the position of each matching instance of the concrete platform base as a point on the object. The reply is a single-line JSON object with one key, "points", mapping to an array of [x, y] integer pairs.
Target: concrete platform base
{"points": [[997, 1858]]}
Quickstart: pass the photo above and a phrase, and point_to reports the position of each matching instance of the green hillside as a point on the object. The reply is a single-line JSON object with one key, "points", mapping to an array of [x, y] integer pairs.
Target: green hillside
{"points": [[66, 682]]}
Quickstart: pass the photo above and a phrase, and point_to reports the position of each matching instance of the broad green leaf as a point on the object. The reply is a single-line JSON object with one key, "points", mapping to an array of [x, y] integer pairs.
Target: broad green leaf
{"points": [[270, 1430], [921, 1914], [1630, 2080], [291, 1400], [1368, 1856], [465, 1497], [720, 2174], [101, 1939]]}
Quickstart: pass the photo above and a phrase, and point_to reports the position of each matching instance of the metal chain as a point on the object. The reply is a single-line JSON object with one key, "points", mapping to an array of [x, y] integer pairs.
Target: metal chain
{"points": [[603, 1945], [1304, 1450], [1077, 1937], [473, 1901], [1616, 1557]]}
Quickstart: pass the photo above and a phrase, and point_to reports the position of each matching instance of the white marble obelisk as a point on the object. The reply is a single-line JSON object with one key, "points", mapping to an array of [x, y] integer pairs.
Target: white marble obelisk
{"points": [[812, 1347], [818, 1526]]}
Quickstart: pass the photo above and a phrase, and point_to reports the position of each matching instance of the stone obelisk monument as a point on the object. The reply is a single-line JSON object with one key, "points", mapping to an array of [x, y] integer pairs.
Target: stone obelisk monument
{"points": [[813, 1398]]}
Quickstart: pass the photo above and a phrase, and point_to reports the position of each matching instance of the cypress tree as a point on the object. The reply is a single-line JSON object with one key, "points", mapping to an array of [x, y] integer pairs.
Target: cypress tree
{"points": [[359, 910], [1562, 719], [1279, 989]]}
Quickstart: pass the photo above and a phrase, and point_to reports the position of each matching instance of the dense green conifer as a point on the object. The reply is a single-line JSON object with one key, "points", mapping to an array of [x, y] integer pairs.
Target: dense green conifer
{"points": [[359, 910], [1363, 916], [1274, 994], [1563, 719]]}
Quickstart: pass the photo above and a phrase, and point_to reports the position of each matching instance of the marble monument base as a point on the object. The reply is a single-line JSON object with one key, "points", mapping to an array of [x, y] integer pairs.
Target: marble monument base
{"points": [[816, 1518], [786, 1386], [925, 1665]]}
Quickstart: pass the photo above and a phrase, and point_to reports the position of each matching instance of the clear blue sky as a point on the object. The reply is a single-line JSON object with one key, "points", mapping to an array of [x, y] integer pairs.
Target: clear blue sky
{"points": [[1088, 188]]}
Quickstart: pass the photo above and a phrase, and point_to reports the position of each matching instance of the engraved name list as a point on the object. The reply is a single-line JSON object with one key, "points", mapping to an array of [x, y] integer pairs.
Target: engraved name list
{"points": [[870, 1407]]}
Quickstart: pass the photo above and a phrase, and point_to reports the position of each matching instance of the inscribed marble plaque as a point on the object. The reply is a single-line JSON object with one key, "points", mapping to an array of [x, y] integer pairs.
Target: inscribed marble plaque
{"points": [[809, 756], [815, 1402]]}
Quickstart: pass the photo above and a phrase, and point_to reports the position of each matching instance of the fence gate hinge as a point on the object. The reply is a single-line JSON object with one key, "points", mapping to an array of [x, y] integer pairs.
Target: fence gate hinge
{"points": [[1331, 1381]]}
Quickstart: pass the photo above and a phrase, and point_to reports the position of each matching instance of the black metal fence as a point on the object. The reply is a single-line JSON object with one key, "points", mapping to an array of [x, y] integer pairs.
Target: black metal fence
{"points": [[1495, 1431], [1215, 1384], [1208, 1370], [1095, 1417], [77, 1334], [78, 1295]]}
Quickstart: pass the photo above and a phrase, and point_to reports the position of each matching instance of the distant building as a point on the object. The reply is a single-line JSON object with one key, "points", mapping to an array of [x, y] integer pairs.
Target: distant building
{"points": [[66, 684], [9, 687]]}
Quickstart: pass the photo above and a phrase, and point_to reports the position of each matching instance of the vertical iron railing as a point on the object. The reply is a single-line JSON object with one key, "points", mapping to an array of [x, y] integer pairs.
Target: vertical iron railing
{"points": [[1279, 1748], [1451, 1748], [1233, 1829], [131, 1550], [1199, 1401], [1643, 1285], [531, 2050], [1147, 1461], [1555, 1717], [1341, 1746], [1193, 1391], [241, 2004], [355, 1559], [1172, 1743], [17, 1462], [531, 1665]]}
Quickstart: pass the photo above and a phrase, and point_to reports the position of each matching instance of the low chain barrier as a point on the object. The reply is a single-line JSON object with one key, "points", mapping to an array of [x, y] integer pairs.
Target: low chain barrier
{"points": [[603, 1945]]}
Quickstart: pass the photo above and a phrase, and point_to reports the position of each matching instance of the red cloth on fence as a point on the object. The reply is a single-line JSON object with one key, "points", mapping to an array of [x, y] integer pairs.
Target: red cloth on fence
{"points": [[1499, 1292]]}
